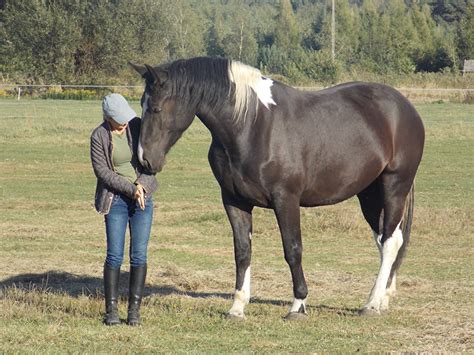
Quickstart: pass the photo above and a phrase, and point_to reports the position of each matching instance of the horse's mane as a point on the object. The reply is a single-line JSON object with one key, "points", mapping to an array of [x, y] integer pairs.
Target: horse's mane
{"points": [[215, 80]]}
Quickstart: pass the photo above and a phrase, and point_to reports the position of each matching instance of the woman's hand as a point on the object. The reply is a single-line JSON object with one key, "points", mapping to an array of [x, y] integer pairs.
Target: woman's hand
{"points": [[140, 196]]}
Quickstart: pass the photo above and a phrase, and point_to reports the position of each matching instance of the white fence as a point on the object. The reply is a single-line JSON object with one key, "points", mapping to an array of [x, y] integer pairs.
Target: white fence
{"points": [[416, 94]]}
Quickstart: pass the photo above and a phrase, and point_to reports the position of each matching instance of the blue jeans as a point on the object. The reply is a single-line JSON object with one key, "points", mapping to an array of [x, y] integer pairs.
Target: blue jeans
{"points": [[122, 212]]}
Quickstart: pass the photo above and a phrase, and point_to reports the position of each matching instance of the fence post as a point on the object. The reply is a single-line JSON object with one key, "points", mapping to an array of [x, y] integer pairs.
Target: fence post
{"points": [[19, 93]]}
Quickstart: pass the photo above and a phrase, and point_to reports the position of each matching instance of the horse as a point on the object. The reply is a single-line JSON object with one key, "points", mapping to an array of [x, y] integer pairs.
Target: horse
{"points": [[277, 147]]}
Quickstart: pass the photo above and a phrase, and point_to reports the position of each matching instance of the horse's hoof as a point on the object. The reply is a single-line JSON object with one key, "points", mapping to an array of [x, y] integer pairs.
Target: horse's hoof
{"points": [[369, 312], [296, 316], [235, 317]]}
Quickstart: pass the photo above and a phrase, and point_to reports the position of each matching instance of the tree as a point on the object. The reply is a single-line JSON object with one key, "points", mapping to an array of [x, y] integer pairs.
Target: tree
{"points": [[184, 29], [368, 36], [432, 52], [449, 10], [149, 31], [347, 29], [287, 35], [40, 38], [465, 35], [234, 32], [310, 19], [91, 41]]}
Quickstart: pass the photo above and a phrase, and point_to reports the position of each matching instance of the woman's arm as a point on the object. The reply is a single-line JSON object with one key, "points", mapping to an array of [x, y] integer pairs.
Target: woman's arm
{"points": [[148, 182], [104, 173]]}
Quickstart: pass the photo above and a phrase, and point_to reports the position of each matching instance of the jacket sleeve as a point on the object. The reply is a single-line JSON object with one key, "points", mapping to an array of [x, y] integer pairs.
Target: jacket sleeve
{"points": [[109, 177], [148, 182]]}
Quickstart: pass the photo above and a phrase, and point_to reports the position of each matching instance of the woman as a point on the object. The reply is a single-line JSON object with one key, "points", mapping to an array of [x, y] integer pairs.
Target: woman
{"points": [[123, 195]]}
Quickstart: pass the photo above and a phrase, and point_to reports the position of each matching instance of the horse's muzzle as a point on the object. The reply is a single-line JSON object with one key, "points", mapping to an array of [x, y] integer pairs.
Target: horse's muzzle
{"points": [[153, 166]]}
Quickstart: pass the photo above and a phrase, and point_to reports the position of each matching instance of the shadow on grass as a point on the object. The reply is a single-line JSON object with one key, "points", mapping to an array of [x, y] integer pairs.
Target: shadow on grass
{"points": [[60, 282], [83, 285], [321, 308]]}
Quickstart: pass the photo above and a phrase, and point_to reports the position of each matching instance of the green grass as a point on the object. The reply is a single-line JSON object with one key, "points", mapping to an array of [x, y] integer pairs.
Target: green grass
{"points": [[52, 251]]}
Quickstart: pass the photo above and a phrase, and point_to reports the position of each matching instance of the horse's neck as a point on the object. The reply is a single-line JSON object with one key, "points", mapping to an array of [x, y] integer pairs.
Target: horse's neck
{"points": [[223, 128]]}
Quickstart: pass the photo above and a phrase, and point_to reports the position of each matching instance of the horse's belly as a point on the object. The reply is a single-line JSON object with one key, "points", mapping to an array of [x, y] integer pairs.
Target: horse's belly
{"points": [[313, 198], [333, 187]]}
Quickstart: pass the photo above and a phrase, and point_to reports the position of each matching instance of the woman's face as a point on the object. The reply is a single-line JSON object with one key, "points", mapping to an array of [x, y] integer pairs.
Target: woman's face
{"points": [[116, 127]]}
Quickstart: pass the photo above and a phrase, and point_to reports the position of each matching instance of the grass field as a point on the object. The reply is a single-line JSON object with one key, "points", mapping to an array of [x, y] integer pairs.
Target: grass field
{"points": [[52, 251]]}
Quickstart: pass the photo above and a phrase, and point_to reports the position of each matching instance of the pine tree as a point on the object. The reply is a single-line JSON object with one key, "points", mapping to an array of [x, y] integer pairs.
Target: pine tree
{"points": [[287, 35]]}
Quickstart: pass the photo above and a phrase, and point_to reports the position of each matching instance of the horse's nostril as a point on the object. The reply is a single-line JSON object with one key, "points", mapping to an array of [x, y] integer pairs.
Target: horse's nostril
{"points": [[146, 165]]}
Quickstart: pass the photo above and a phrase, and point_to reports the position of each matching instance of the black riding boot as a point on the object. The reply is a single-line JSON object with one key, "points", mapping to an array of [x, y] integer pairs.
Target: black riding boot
{"points": [[137, 284], [111, 285]]}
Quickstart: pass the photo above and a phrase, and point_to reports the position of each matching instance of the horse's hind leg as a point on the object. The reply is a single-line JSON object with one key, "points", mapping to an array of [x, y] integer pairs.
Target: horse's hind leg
{"points": [[394, 192], [371, 203], [240, 217]]}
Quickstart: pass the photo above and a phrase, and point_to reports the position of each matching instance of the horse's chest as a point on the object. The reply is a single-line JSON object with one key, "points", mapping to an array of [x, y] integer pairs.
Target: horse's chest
{"points": [[245, 186], [238, 179]]}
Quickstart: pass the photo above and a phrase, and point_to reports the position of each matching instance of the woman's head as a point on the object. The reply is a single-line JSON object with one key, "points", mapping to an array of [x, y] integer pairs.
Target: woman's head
{"points": [[116, 110]]}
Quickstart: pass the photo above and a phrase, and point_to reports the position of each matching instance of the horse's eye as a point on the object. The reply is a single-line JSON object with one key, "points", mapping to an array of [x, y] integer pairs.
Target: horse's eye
{"points": [[156, 109]]}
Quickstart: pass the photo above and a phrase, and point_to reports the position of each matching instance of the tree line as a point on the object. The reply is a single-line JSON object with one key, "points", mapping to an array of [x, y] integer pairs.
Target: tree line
{"points": [[91, 41]]}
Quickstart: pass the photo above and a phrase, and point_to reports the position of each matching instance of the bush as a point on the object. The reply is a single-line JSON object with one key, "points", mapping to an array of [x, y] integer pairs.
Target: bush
{"points": [[272, 60], [300, 66], [7, 93], [73, 94], [319, 66], [437, 60], [58, 93]]}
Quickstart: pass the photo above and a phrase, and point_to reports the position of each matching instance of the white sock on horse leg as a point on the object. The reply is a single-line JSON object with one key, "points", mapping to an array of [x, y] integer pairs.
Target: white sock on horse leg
{"points": [[241, 297], [389, 253]]}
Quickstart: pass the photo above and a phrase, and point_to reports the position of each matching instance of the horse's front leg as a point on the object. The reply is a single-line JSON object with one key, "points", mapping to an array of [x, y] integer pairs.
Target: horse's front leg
{"points": [[240, 217], [287, 212]]}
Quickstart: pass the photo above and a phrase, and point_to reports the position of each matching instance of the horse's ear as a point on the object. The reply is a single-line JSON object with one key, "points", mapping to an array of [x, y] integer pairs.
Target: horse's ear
{"points": [[141, 69], [158, 76]]}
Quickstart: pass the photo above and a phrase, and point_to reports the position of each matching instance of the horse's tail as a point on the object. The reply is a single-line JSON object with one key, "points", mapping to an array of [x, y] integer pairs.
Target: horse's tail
{"points": [[406, 229]]}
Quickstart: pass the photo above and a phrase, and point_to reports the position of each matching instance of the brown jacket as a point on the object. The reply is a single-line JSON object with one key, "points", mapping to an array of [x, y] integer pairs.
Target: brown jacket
{"points": [[109, 183]]}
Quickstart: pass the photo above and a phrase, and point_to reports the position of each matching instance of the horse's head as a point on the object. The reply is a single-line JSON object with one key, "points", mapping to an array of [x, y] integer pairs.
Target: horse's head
{"points": [[164, 117]]}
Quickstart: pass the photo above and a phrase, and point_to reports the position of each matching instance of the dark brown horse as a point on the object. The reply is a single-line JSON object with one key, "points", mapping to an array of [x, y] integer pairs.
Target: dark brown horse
{"points": [[277, 147]]}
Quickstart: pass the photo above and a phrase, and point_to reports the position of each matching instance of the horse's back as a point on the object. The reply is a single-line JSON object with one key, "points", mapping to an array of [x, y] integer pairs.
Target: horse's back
{"points": [[338, 140], [370, 107]]}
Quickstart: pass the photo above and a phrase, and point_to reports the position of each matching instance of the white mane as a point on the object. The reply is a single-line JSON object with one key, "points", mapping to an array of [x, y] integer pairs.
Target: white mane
{"points": [[246, 79]]}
